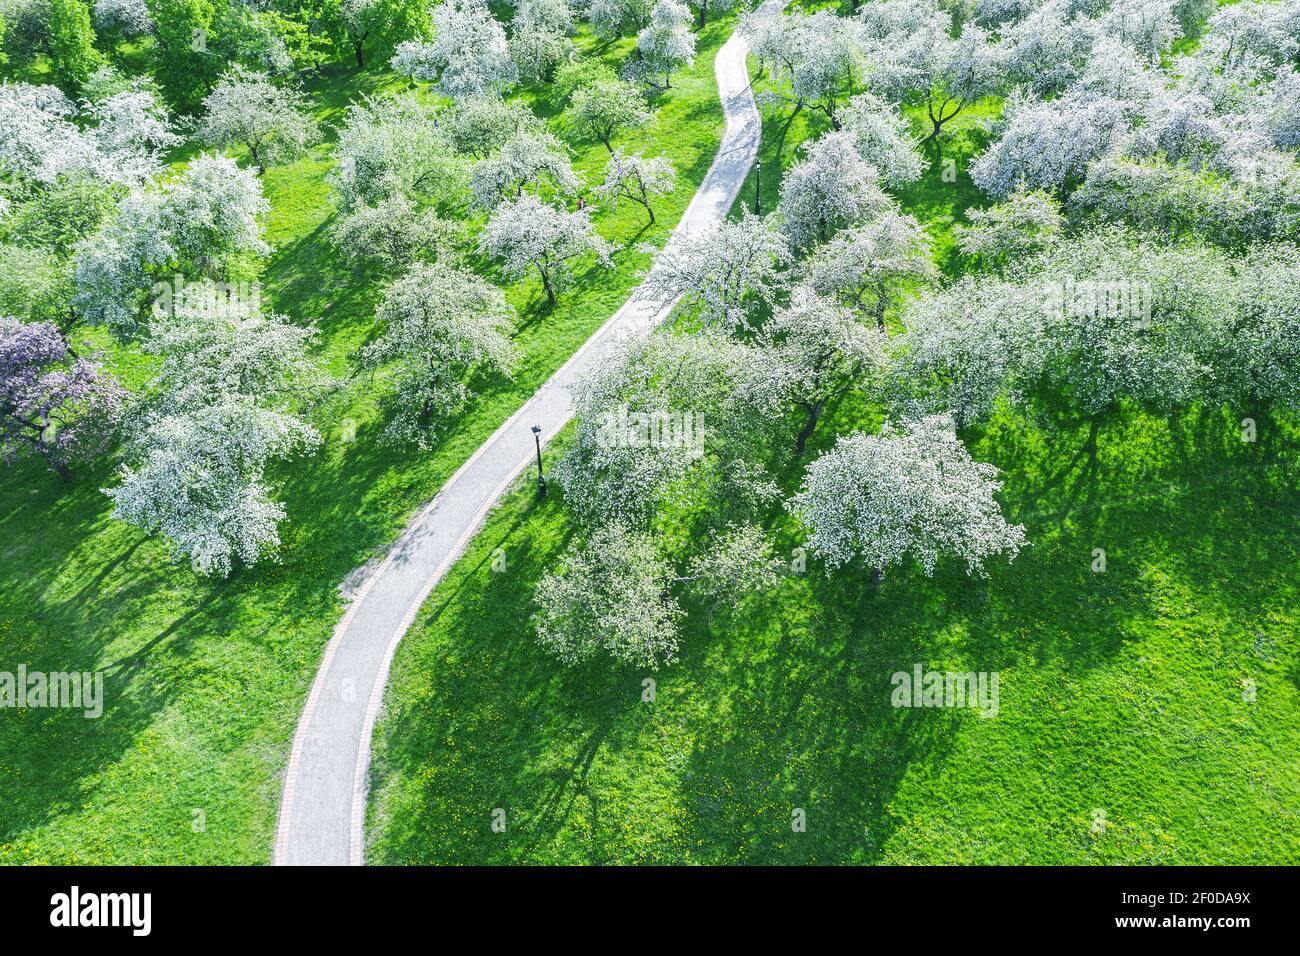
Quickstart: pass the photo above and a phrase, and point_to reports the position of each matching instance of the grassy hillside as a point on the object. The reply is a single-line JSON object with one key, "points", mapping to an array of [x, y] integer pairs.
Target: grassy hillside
{"points": [[205, 679]]}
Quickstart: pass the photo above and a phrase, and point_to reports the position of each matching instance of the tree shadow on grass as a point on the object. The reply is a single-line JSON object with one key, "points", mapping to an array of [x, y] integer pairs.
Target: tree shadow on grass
{"points": [[52, 754], [808, 723], [786, 704], [311, 283], [482, 690]]}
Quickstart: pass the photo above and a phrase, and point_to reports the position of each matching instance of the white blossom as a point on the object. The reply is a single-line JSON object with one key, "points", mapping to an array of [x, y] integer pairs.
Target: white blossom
{"points": [[1265, 338], [1009, 231], [194, 225], [832, 187], [870, 265], [637, 179], [1282, 120], [526, 234], [130, 17], [722, 276], [480, 125], [1186, 128], [1116, 71], [468, 56], [38, 137], [1231, 84], [441, 328], [969, 346], [133, 127], [539, 38], [604, 108], [614, 18], [913, 58], [1000, 13], [1148, 26], [882, 138], [666, 44], [707, 8], [1133, 320], [1047, 49], [737, 561], [554, 15], [1048, 145], [218, 413], [199, 482], [1096, 321], [813, 59], [529, 160], [394, 146], [245, 108], [620, 468], [1256, 30], [393, 234], [820, 351], [1262, 202], [911, 492], [609, 596]]}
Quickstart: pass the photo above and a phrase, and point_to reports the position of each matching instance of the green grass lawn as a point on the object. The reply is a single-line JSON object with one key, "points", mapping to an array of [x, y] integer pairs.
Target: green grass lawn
{"points": [[1122, 694], [1120, 691], [205, 679]]}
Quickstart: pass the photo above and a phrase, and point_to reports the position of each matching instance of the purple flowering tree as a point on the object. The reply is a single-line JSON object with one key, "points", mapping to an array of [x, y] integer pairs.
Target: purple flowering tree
{"points": [[53, 402]]}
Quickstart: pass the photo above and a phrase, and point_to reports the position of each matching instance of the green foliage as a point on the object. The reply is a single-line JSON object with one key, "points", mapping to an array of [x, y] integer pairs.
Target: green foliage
{"points": [[35, 285], [73, 56], [581, 73], [185, 64], [59, 217], [380, 25], [307, 48]]}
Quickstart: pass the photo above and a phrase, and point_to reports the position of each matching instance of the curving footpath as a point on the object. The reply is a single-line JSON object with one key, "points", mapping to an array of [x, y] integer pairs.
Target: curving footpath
{"points": [[323, 807]]}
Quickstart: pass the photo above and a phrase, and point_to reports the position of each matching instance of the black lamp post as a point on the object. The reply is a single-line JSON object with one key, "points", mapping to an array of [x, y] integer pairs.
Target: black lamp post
{"points": [[758, 178], [541, 480]]}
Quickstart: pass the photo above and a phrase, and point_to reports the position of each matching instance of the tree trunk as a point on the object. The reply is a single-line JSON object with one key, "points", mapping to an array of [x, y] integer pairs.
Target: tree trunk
{"points": [[809, 426], [880, 312], [704, 14], [546, 285], [644, 200], [55, 465], [361, 60]]}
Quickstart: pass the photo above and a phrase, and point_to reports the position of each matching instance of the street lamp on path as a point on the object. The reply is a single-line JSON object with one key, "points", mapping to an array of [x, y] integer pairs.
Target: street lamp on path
{"points": [[758, 178], [541, 480]]}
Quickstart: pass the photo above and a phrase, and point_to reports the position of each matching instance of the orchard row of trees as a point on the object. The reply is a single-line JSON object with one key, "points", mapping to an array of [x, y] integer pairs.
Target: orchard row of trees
{"points": [[94, 232], [1098, 110], [1074, 310], [190, 44]]}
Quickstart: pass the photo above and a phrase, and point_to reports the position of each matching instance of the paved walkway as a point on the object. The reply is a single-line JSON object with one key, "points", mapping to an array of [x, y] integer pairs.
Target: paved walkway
{"points": [[323, 808]]}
